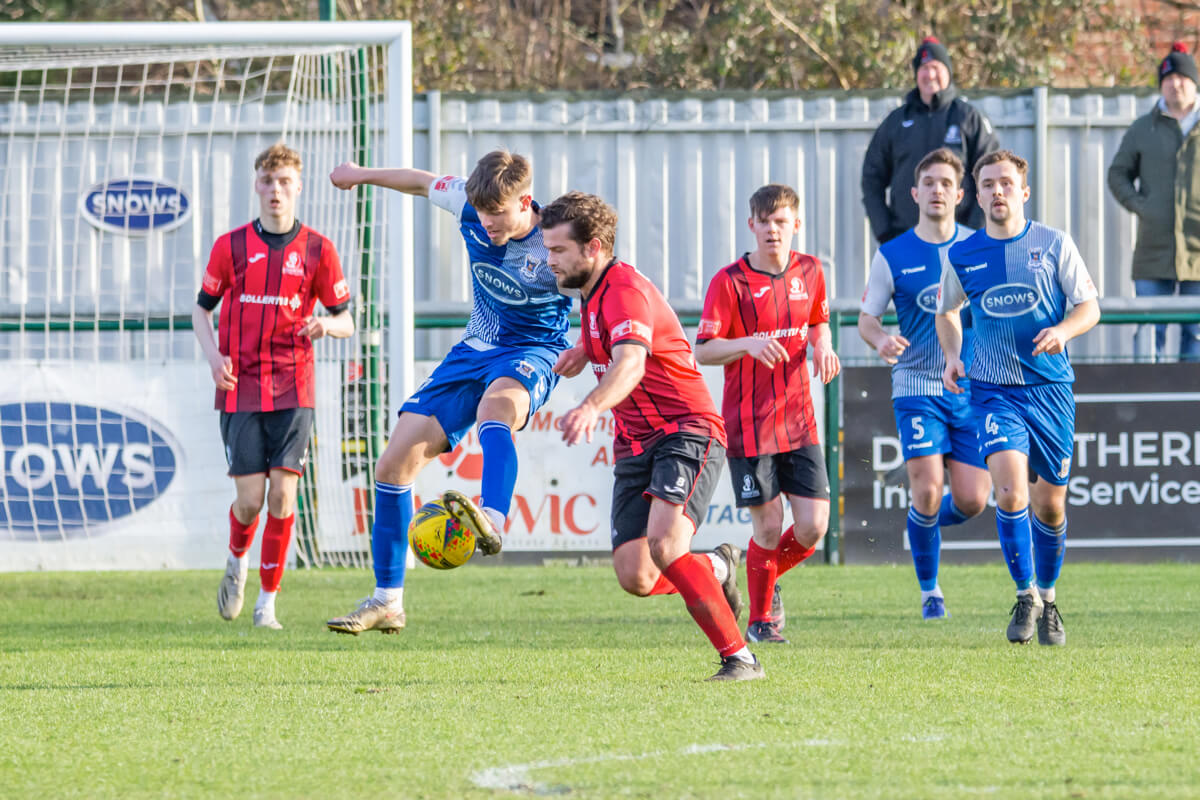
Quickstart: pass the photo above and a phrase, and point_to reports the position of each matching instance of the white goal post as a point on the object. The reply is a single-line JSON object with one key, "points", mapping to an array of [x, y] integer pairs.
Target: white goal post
{"points": [[126, 149]]}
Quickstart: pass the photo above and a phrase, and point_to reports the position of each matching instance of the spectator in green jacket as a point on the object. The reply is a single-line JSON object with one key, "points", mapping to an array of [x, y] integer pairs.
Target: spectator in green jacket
{"points": [[1156, 175]]}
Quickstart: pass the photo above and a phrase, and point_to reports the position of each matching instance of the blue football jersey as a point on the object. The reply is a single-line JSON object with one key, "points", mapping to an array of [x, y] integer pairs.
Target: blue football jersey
{"points": [[515, 297], [907, 270], [1016, 287]]}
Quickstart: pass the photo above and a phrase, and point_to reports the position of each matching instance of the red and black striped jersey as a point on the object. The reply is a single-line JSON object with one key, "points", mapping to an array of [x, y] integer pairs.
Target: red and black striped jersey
{"points": [[767, 410], [266, 292], [626, 308]]}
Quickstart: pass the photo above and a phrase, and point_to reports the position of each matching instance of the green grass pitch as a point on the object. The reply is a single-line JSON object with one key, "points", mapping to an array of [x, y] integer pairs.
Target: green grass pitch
{"points": [[520, 681]]}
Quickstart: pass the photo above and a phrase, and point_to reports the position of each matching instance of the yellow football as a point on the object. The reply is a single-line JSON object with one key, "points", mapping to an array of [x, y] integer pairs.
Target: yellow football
{"points": [[438, 539]]}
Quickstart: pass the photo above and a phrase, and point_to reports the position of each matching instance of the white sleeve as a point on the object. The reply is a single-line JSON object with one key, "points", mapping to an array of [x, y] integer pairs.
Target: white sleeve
{"points": [[950, 291], [449, 193], [1073, 275], [880, 287]]}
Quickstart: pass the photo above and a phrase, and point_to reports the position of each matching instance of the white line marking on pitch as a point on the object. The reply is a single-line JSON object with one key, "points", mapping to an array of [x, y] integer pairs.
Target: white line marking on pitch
{"points": [[516, 777]]}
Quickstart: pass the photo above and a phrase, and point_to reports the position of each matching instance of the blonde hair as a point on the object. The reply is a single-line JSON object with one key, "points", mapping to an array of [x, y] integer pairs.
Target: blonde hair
{"points": [[276, 156]]}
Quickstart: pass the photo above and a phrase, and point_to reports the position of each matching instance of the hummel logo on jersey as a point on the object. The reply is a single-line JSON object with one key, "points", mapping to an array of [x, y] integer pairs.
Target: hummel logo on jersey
{"points": [[761, 292], [257, 257], [912, 270], [908, 123], [475, 236], [974, 268]]}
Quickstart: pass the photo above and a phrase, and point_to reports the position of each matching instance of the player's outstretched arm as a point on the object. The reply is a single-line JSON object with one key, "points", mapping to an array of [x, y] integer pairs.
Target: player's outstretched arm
{"points": [[221, 366], [722, 351], [402, 179], [825, 363], [622, 377], [950, 336], [888, 345], [1079, 320], [337, 326]]}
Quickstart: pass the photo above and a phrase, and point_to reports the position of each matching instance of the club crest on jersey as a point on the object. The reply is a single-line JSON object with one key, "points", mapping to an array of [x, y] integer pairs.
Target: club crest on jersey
{"points": [[529, 270], [1010, 300], [292, 265], [593, 325], [953, 135], [796, 290], [524, 367], [1035, 258], [1065, 470], [927, 300]]}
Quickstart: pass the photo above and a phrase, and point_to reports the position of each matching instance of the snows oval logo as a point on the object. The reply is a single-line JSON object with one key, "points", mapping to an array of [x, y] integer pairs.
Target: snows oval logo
{"points": [[1010, 300], [135, 205], [499, 284], [70, 467], [927, 299]]}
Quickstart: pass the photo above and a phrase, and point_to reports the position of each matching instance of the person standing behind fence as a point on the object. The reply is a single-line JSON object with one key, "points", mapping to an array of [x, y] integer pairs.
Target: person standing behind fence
{"points": [[1153, 176], [932, 116]]}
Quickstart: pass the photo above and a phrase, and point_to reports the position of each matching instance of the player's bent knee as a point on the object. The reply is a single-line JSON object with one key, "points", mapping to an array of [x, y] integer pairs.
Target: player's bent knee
{"points": [[926, 499], [639, 583]]}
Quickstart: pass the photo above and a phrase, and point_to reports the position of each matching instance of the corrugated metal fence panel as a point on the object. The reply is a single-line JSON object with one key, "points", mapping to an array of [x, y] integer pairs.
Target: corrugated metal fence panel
{"points": [[680, 173]]}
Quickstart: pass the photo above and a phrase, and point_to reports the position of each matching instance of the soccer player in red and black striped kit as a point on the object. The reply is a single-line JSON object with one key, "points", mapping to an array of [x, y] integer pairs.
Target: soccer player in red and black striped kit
{"points": [[761, 314], [669, 438], [268, 276]]}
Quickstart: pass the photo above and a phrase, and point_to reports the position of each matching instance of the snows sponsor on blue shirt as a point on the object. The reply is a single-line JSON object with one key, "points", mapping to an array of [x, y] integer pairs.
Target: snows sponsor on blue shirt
{"points": [[515, 297], [1017, 287]]}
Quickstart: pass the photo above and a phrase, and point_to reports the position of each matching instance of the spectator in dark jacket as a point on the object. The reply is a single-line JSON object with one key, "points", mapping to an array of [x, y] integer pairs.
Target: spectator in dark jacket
{"points": [[933, 116], [1155, 175]]}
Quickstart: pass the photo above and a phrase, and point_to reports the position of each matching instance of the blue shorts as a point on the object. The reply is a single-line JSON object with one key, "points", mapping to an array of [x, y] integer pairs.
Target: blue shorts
{"points": [[932, 425], [452, 393], [1038, 421]]}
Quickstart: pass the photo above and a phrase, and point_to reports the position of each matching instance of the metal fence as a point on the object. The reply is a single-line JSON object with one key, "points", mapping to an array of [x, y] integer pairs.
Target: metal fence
{"points": [[680, 171]]}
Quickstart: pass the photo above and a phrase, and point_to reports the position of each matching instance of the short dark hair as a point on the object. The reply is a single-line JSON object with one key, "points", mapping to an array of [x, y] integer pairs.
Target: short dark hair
{"points": [[943, 155], [995, 157], [498, 177], [276, 156], [772, 197], [588, 215]]}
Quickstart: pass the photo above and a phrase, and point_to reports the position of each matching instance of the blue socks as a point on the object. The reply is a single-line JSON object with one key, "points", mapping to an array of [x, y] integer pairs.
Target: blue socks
{"points": [[1049, 544], [949, 513], [925, 540], [1016, 544], [499, 466], [389, 535]]}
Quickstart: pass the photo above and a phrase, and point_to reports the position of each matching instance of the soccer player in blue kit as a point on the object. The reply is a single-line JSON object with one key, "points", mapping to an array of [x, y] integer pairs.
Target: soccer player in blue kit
{"points": [[495, 378], [937, 430], [1020, 276]]}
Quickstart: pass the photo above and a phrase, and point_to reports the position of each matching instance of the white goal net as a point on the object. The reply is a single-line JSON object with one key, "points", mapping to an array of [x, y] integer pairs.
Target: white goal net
{"points": [[125, 151]]}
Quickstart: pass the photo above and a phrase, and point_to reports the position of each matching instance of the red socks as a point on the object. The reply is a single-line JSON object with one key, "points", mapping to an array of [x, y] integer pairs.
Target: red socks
{"points": [[693, 576], [761, 573], [277, 535], [663, 586], [790, 553], [240, 536]]}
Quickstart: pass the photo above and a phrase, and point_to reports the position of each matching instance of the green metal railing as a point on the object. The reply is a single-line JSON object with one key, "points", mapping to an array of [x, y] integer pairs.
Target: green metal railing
{"points": [[1116, 311]]}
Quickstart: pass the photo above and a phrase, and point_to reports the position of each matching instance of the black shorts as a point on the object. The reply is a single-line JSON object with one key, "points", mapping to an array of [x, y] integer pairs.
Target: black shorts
{"points": [[760, 479], [681, 468], [260, 441]]}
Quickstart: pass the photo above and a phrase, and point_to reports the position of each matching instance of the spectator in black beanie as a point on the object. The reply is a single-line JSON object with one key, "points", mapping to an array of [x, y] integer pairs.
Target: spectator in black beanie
{"points": [[1153, 175], [932, 116]]}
